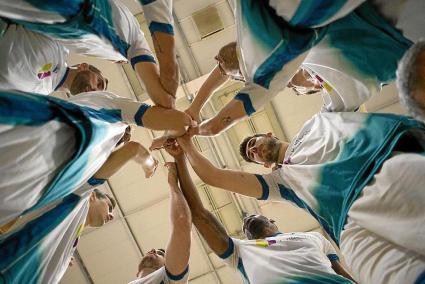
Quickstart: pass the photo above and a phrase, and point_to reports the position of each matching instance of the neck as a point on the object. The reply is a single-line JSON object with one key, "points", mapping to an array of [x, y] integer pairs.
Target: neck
{"points": [[69, 79], [147, 271], [282, 151]]}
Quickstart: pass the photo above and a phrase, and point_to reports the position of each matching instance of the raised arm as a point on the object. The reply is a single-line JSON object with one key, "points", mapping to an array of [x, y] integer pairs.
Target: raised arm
{"points": [[235, 181], [130, 151], [339, 269], [213, 82], [178, 247], [206, 223]]}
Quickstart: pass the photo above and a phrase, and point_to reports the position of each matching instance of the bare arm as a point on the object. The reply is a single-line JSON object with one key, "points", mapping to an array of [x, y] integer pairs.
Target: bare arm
{"points": [[148, 73], [178, 247], [228, 116], [117, 159], [212, 83], [339, 269], [159, 118], [235, 181], [208, 226], [165, 51]]}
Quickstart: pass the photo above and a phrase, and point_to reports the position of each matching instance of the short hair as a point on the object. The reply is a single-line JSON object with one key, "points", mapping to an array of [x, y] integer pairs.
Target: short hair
{"points": [[103, 195], [80, 82], [243, 145], [408, 80], [229, 56]]}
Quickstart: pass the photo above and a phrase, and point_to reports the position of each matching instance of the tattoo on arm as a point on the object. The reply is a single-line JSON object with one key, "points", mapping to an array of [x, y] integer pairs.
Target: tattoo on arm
{"points": [[226, 120]]}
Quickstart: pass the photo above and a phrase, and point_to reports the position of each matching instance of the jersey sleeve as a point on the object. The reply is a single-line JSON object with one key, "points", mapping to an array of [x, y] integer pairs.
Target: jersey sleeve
{"points": [[254, 97], [159, 15], [327, 247], [270, 185], [132, 112], [129, 30], [178, 279], [231, 255]]}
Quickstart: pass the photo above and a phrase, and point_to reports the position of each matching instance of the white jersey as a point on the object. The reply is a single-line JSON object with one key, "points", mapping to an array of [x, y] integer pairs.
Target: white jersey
{"points": [[58, 144], [104, 29], [162, 276], [31, 62], [284, 258]]}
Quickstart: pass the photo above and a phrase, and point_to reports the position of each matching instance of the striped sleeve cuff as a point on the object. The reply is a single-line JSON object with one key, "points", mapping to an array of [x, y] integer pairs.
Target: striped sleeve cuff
{"points": [[96, 181], [229, 251], [265, 187], [333, 257], [177, 277], [247, 103], [161, 27], [138, 117], [142, 58]]}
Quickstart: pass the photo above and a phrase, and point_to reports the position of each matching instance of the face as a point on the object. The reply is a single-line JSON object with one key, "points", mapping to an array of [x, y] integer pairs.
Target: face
{"points": [[100, 211], [263, 149], [304, 84], [87, 80], [155, 259], [258, 227]]}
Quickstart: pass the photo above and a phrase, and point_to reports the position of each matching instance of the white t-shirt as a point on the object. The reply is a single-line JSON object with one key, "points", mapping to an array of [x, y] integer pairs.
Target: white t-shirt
{"points": [[162, 276], [31, 62], [284, 258]]}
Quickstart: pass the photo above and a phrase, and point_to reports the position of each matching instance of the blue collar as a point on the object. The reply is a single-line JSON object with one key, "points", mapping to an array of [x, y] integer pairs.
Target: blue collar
{"points": [[63, 79]]}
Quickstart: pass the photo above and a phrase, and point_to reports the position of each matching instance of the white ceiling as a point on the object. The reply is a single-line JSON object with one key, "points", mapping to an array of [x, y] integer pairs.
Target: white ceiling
{"points": [[111, 254]]}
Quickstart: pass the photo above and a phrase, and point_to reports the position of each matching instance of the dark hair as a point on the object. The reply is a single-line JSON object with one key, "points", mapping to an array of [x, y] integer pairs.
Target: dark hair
{"points": [[228, 54], [103, 195], [243, 145]]}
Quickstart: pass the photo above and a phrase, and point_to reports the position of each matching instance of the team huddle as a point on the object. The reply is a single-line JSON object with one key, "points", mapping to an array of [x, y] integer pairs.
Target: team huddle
{"points": [[360, 175]]}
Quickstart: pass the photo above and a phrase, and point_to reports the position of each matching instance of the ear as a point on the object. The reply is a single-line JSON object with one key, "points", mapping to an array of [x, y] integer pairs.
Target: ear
{"points": [[83, 67], [269, 134], [267, 165], [92, 196]]}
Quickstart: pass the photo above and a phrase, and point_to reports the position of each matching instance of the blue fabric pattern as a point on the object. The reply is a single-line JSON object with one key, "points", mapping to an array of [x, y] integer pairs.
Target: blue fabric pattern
{"points": [[275, 34], [311, 13], [333, 257], [96, 181], [138, 117], [66, 8], [90, 126], [177, 277], [94, 18], [20, 251], [265, 187], [141, 58], [229, 250], [161, 27], [247, 104]]}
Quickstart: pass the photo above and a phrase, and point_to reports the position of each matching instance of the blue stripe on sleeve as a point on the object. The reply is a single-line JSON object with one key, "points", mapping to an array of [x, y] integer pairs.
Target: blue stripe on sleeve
{"points": [[96, 181], [161, 27], [146, 2], [247, 103], [139, 114], [265, 187], [229, 251], [142, 58], [333, 257], [420, 279], [177, 277]]}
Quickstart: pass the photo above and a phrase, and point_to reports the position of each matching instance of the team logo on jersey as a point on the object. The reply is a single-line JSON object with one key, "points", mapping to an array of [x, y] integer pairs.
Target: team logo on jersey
{"points": [[45, 71]]}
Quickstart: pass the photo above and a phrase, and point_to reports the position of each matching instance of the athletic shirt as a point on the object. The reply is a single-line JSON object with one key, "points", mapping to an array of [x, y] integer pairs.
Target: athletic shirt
{"points": [[31, 62], [284, 258], [162, 276]]}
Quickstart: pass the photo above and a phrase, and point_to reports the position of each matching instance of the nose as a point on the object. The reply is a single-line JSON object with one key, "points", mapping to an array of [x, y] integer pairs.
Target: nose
{"points": [[152, 251], [110, 217]]}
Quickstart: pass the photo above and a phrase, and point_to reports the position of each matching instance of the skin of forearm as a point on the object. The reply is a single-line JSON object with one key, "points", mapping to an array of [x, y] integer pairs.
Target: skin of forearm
{"points": [[180, 214], [158, 118], [209, 227]]}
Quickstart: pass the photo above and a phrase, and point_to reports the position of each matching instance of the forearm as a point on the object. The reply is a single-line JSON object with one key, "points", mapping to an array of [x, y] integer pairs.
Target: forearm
{"points": [[164, 45], [159, 118], [231, 114], [148, 73], [117, 160], [212, 83]]}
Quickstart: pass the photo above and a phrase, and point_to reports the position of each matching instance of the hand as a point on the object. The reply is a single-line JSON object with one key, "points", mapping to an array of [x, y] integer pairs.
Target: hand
{"points": [[184, 140], [195, 115], [172, 173], [173, 148]]}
